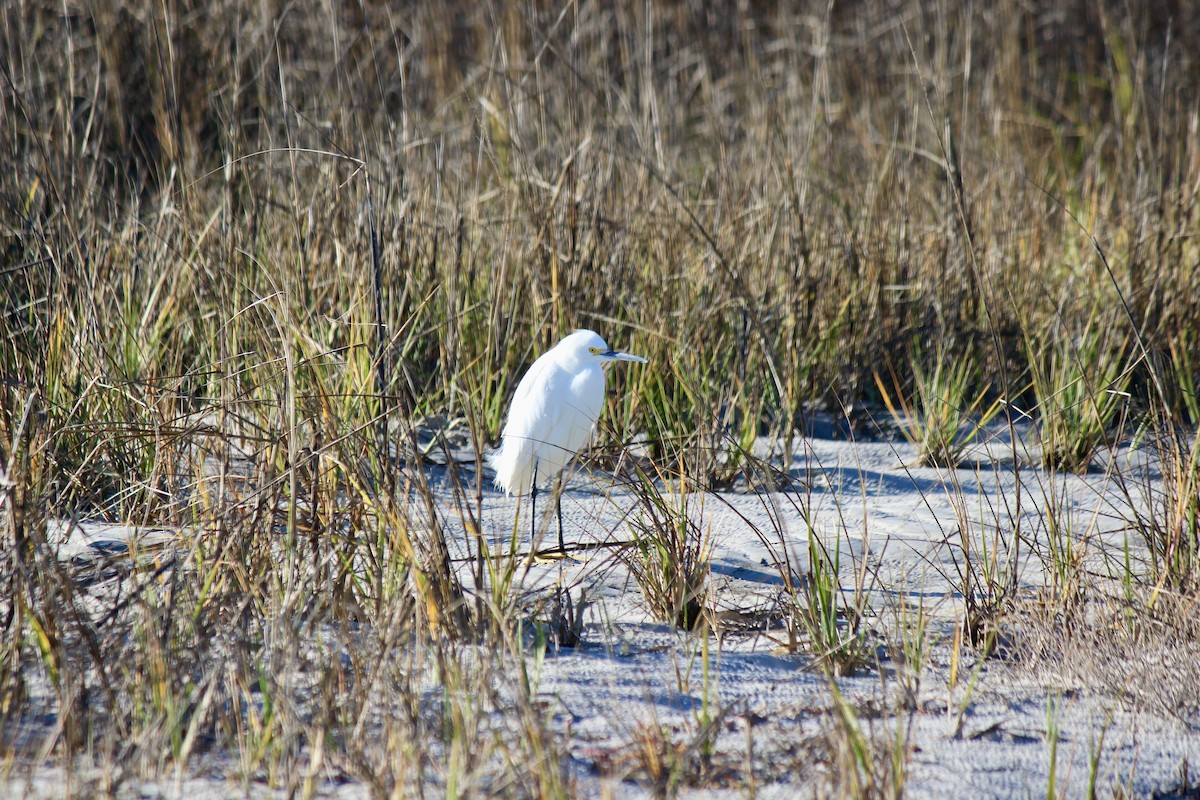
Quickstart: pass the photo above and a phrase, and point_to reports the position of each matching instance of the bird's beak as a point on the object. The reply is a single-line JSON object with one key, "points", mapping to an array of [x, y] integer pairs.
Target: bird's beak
{"points": [[617, 355]]}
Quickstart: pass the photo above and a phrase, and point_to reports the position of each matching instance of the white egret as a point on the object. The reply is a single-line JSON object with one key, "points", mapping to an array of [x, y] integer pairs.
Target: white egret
{"points": [[552, 415]]}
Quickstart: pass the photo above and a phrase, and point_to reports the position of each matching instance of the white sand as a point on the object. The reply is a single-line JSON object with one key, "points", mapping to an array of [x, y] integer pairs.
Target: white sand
{"points": [[985, 736]]}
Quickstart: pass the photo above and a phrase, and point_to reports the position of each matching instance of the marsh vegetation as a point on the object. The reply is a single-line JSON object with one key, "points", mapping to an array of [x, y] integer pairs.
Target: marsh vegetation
{"points": [[269, 274]]}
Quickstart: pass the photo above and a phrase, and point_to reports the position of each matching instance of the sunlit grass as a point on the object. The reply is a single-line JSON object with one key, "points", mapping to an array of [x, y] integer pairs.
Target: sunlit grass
{"points": [[258, 272], [944, 411], [1081, 385]]}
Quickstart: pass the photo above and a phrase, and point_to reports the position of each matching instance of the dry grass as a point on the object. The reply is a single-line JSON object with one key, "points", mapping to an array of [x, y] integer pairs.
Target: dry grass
{"points": [[245, 254]]}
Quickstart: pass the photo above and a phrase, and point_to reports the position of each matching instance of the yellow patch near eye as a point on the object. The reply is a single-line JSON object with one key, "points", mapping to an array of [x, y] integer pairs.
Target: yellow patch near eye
{"points": [[594, 350]]}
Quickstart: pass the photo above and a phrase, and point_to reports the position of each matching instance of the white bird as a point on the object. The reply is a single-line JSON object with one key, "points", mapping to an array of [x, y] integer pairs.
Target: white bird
{"points": [[552, 415]]}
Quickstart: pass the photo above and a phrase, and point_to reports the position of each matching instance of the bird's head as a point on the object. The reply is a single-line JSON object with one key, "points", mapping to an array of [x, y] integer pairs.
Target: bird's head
{"points": [[588, 345]]}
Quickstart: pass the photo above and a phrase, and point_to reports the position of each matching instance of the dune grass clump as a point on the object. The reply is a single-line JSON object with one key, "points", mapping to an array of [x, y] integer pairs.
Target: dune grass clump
{"points": [[670, 551], [820, 613], [1081, 384], [830, 622], [1167, 515], [1184, 376], [866, 762], [944, 411]]}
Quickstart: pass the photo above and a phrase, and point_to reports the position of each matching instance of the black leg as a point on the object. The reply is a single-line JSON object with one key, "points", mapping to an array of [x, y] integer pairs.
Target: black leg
{"points": [[533, 509], [558, 500]]}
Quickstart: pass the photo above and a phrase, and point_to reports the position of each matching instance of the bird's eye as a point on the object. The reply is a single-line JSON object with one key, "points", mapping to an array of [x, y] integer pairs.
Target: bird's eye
{"points": [[594, 350]]}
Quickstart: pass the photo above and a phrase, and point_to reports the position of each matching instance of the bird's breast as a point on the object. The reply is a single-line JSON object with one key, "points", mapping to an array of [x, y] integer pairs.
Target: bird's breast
{"points": [[587, 392]]}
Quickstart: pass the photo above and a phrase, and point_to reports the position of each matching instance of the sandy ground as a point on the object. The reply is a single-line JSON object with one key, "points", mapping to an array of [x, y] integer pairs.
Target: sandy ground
{"points": [[985, 733], [982, 738]]}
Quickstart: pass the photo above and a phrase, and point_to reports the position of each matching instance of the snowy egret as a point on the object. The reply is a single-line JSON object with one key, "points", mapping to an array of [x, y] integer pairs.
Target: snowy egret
{"points": [[552, 415]]}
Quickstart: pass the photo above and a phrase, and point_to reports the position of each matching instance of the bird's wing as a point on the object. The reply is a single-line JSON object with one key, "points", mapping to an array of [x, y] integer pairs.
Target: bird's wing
{"points": [[552, 415], [530, 398], [585, 402], [531, 433]]}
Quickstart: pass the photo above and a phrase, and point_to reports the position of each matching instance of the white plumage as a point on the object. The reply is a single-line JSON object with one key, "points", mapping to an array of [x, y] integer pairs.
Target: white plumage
{"points": [[553, 413]]}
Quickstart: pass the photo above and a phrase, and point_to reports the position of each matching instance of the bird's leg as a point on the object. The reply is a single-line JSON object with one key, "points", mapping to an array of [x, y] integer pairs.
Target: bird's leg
{"points": [[533, 509], [558, 501]]}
